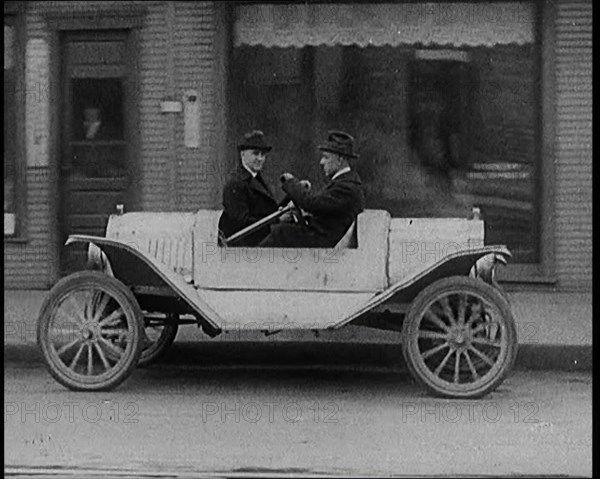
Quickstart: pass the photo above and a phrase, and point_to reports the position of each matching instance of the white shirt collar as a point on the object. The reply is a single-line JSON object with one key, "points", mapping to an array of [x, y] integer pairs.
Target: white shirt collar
{"points": [[340, 172], [253, 173]]}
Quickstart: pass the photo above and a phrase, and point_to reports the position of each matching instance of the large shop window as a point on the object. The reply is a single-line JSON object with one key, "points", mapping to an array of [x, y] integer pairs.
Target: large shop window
{"points": [[441, 97], [10, 143]]}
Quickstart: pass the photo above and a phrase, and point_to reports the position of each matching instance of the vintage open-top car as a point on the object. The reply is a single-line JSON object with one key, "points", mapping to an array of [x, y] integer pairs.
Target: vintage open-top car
{"points": [[433, 279]]}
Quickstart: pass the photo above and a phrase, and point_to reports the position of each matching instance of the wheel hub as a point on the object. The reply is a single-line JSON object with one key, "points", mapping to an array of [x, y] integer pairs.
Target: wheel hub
{"points": [[459, 337], [89, 332]]}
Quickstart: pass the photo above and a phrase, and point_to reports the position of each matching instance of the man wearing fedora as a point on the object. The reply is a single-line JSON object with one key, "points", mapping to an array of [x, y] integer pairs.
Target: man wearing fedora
{"points": [[246, 197], [331, 210]]}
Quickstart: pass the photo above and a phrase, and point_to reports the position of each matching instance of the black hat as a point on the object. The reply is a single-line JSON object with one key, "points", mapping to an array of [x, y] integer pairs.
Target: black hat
{"points": [[339, 142], [254, 140]]}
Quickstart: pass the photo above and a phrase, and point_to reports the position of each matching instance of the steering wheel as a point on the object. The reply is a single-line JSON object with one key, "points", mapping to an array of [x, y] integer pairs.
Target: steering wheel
{"points": [[267, 220]]}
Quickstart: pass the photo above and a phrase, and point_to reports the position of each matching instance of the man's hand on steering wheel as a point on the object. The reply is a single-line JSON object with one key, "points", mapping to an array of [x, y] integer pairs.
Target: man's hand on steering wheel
{"points": [[296, 214], [288, 217]]}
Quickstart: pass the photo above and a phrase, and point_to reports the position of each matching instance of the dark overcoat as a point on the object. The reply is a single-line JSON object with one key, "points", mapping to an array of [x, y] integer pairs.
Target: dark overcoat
{"points": [[333, 210], [246, 199]]}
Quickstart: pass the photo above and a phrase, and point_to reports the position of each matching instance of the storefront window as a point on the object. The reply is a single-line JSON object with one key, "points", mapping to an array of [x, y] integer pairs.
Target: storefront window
{"points": [[10, 176], [442, 99]]}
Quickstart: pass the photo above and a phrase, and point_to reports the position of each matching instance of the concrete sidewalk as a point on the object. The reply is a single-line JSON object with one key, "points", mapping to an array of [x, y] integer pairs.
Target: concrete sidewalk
{"points": [[554, 331]]}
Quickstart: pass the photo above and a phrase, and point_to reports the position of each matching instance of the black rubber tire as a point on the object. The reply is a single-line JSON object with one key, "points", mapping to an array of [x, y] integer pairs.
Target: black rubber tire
{"points": [[156, 350], [410, 344], [123, 296]]}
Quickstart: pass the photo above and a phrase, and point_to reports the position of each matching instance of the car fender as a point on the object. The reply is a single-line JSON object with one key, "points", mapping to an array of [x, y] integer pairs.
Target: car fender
{"points": [[133, 267], [461, 263]]}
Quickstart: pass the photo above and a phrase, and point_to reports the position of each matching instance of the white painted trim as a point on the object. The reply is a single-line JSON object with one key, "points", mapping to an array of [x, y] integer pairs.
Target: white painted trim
{"points": [[9, 224]]}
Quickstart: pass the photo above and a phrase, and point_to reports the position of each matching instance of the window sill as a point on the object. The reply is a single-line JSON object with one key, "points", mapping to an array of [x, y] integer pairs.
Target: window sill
{"points": [[533, 284], [542, 280], [526, 277]]}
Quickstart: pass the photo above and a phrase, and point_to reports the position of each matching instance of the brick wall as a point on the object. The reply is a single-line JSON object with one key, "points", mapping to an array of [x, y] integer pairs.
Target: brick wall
{"points": [[573, 146]]}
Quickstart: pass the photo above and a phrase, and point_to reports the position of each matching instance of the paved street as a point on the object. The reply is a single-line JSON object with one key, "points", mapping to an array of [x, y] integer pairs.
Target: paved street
{"points": [[186, 420]]}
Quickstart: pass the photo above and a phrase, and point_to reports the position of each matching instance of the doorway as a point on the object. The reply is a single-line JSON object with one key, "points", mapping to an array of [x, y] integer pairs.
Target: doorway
{"points": [[96, 157]]}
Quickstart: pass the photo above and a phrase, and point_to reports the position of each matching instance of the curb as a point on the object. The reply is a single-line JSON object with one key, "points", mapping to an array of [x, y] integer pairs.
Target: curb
{"points": [[324, 355], [23, 472]]}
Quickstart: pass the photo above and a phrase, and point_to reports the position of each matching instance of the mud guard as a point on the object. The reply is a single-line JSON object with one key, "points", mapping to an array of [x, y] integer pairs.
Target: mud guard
{"points": [[461, 263], [131, 267]]}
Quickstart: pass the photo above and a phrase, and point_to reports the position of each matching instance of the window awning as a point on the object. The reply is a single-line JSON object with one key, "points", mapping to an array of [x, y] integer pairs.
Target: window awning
{"points": [[456, 24]]}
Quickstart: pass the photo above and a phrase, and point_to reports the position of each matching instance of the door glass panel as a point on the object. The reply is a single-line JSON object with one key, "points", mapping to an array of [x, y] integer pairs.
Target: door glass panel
{"points": [[97, 109], [98, 149], [93, 160]]}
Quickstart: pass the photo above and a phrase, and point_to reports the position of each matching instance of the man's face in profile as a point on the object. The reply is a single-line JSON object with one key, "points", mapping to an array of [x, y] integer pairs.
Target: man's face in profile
{"points": [[254, 159], [331, 163]]}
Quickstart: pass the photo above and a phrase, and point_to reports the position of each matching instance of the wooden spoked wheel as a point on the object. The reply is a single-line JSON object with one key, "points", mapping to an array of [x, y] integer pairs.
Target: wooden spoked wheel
{"points": [[90, 331], [459, 337]]}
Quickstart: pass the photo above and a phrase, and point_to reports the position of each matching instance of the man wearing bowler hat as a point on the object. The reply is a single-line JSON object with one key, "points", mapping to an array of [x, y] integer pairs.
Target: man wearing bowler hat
{"points": [[331, 210], [246, 197]]}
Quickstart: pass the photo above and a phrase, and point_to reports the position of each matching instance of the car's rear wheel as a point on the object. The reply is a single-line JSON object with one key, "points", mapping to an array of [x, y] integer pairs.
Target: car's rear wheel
{"points": [[160, 331], [459, 337], [89, 331]]}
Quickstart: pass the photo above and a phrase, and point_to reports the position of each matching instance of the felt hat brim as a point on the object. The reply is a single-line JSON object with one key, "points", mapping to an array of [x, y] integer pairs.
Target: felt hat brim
{"points": [[333, 149], [254, 147]]}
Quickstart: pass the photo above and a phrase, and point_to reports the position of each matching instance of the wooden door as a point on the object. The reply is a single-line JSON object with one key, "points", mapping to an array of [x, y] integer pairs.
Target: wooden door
{"points": [[96, 158]]}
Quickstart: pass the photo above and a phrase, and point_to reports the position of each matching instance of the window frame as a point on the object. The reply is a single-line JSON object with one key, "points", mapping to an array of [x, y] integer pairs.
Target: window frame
{"points": [[542, 272], [513, 275], [14, 15]]}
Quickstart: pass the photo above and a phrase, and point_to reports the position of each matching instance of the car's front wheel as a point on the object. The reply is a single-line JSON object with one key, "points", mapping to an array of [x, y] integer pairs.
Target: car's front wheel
{"points": [[89, 331], [459, 337]]}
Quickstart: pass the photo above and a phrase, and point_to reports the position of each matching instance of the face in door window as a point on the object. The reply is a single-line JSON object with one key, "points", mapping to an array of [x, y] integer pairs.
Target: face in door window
{"points": [[91, 122], [97, 148], [97, 109], [96, 126]]}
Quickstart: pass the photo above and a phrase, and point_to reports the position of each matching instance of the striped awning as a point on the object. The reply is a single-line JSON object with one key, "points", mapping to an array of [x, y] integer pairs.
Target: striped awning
{"points": [[364, 24]]}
